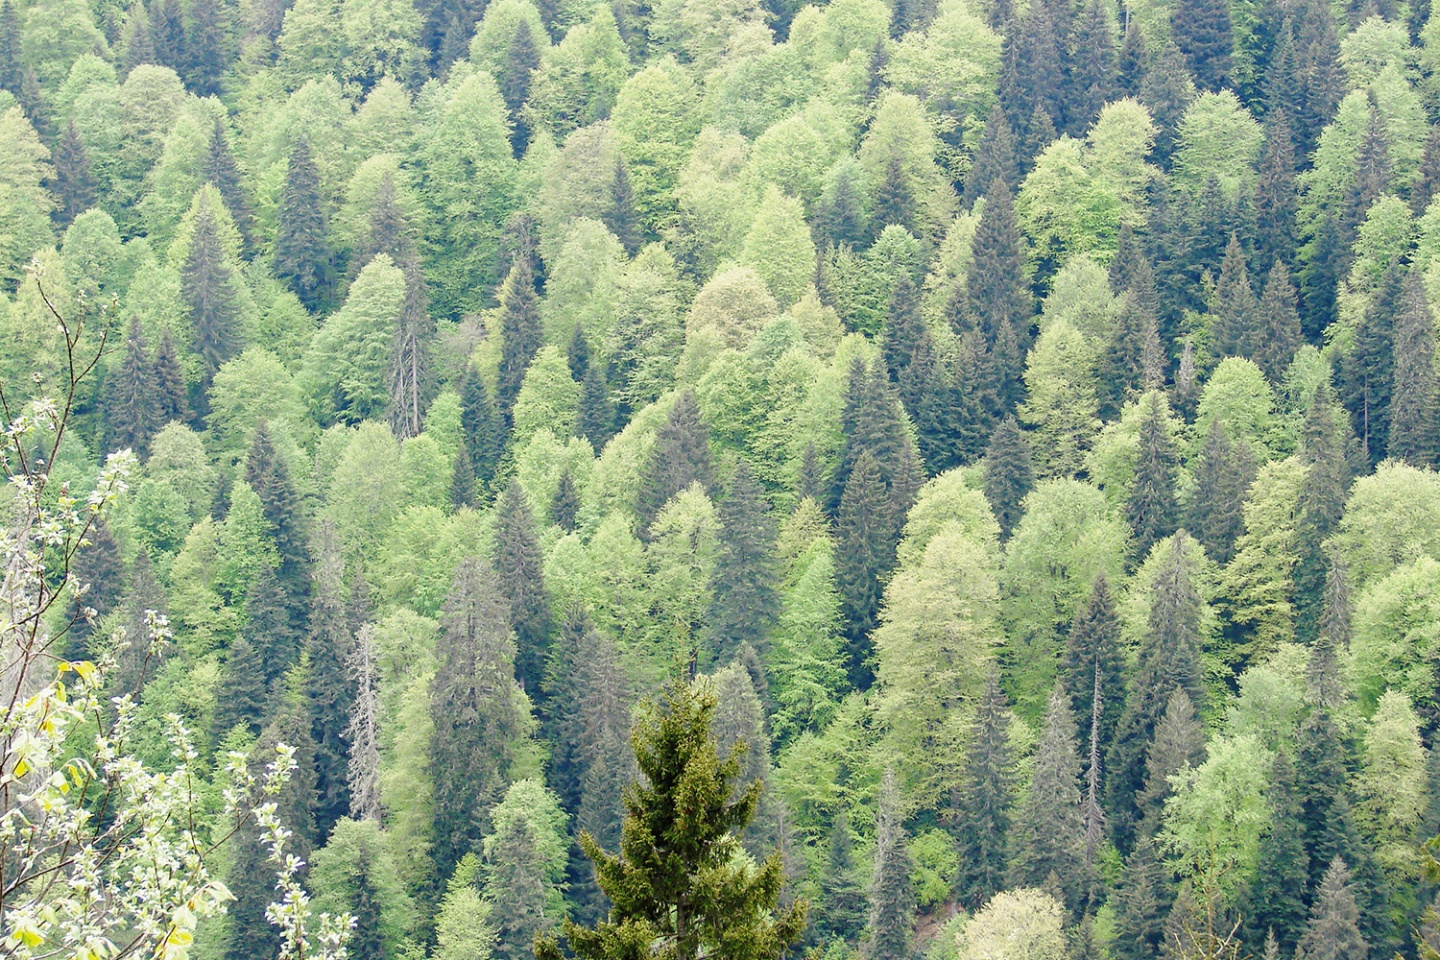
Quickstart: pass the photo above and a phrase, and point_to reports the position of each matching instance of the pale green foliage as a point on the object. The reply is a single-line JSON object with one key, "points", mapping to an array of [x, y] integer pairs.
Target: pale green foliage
{"points": [[351, 225], [735, 303], [1080, 296], [655, 121], [952, 65], [353, 847], [580, 77], [681, 557], [416, 560], [795, 153], [1272, 698], [1259, 580], [1061, 404], [902, 131], [530, 802], [343, 375], [1218, 138], [759, 83], [56, 33], [1391, 518], [1238, 395], [808, 679], [203, 620], [582, 290], [25, 211], [934, 864], [1397, 633], [462, 926], [947, 503], [427, 470], [244, 545], [779, 249], [1135, 604], [309, 41], [385, 121], [716, 203], [178, 459], [254, 386], [1023, 924], [575, 186], [490, 46], [547, 397], [1391, 789], [539, 464], [700, 31], [1371, 47], [1214, 819], [381, 40], [367, 489], [176, 175], [443, 424]]}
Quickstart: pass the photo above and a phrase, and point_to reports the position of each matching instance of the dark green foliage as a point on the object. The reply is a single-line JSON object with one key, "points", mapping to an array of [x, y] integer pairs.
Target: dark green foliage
{"points": [[1201, 28], [1278, 324], [220, 169], [11, 65], [269, 628], [1166, 92], [132, 409], [407, 375], [980, 808], [1274, 199], [841, 911], [565, 505], [520, 332], [1424, 188], [902, 337], [169, 26], [169, 382], [269, 475], [1142, 901], [366, 938], [1132, 57], [621, 217], [595, 418], [1032, 78], [994, 159], [1322, 674], [303, 258], [1179, 741], [100, 569], [1093, 72], [894, 200], [1233, 327], [389, 232], [1009, 474], [680, 457], [841, 213], [1134, 356], [1415, 394], [1371, 179], [332, 688], [997, 298], [1328, 263], [462, 481], [484, 434], [74, 184], [865, 535], [208, 290], [1320, 505], [1093, 655], [478, 713], [205, 58], [518, 562], [245, 688], [892, 901], [1333, 932], [673, 877], [746, 601], [1277, 902], [1223, 474], [520, 64], [1048, 834], [1151, 510]]}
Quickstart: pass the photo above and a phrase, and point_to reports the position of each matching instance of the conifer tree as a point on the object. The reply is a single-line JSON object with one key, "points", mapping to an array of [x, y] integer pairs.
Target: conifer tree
{"points": [[1092, 813], [1009, 474], [269, 475], [205, 59], [1275, 197], [407, 374], [1142, 901], [219, 168], [1150, 509], [12, 66], [363, 767], [1415, 395], [208, 289], [1234, 327], [981, 807], [841, 911], [518, 566], [1333, 932], [1093, 656], [100, 569], [565, 505], [1124, 371], [1371, 179], [995, 159], [517, 889], [303, 258], [998, 298], [595, 417], [479, 718], [1032, 78], [520, 332], [269, 627], [746, 602], [1278, 324], [245, 689], [674, 879], [894, 200], [1319, 508], [1131, 60], [1423, 190], [1322, 675], [332, 688], [1318, 281], [620, 217], [1223, 473], [169, 25], [74, 182], [1166, 91], [1049, 830], [680, 457], [1277, 902], [388, 233], [521, 61], [131, 409], [601, 731], [903, 338], [484, 434], [168, 384], [1201, 29], [865, 553], [1179, 742], [892, 900], [1092, 82]]}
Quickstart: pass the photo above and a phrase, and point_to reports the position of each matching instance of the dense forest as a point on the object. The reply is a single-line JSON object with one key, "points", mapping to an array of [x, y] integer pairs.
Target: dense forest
{"points": [[1021, 420]]}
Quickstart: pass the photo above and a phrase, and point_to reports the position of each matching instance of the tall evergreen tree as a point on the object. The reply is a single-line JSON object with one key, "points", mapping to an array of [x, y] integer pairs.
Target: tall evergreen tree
{"points": [[565, 505], [1150, 509], [894, 199], [1179, 742], [407, 375], [168, 384], [520, 332], [1275, 195], [484, 434], [680, 457], [303, 258], [131, 410], [1371, 179], [1093, 79], [981, 805], [518, 566], [1423, 190], [363, 769], [219, 168], [332, 688], [998, 299], [1032, 76], [12, 65], [1415, 394], [621, 217], [995, 159], [1142, 901], [1049, 830], [208, 290], [74, 184], [746, 602], [1366, 374], [1009, 474], [1278, 324], [1202, 30], [675, 879], [269, 475], [245, 689], [1222, 473], [841, 909], [1319, 508], [205, 56], [595, 416], [388, 231], [269, 627], [479, 715], [1132, 362], [892, 900], [903, 340], [1166, 91], [1276, 898], [1333, 932], [1234, 327], [1131, 59], [517, 889], [100, 570], [168, 22], [1093, 656], [521, 62], [865, 553]]}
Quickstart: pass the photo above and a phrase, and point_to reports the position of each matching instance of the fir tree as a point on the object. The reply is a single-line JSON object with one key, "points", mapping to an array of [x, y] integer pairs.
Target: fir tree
{"points": [[219, 168], [1166, 91], [894, 201], [363, 767], [208, 290], [1093, 657], [100, 571], [1415, 395], [462, 481], [388, 233], [674, 879], [1124, 373], [998, 298], [1009, 474], [1131, 64], [269, 475], [1318, 281], [1093, 72], [132, 414], [517, 890], [995, 159], [520, 332], [981, 806], [1049, 830], [407, 375], [1275, 197], [1371, 179], [1278, 324], [12, 67], [268, 625], [1179, 742], [1142, 901], [1151, 510], [332, 687], [168, 384], [620, 217], [518, 561], [1366, 374], [1277, 902], [842, 907], [169, 25], [302, 246], [1233, 326], [74, 182], [902, 337], [245, 689], [479, 718], [746, 602], [1319, 508], [205, 60], [1032, 78], [680, 457], [1201, 28], [565, 505], [595, 418], [892, 901], [484, 433], [521, 62], [1223, 473], [1333, 932], [866, 551], [1322, 674], [1423, 190]]}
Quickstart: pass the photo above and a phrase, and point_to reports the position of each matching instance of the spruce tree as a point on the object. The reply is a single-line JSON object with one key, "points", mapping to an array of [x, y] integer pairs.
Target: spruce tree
{"points": [[363, 768], [168, 22], [565, 505], [1319, 280], [245, 689], [1093, 80], [1123, 368], [521, 62], [1166, 91], [894, 200], [388, 233], [865, 553], [1324, 686], [219, 168], [269, 475], [995, 159], [1093, 656], [479, 719], [1319, 507], [1277, 901], [842, 908], [1150, 509], [892, 900], [998, 300], [518, 564], [1415, 395], [169, 383], [517, 890], [520, 332], [100, 570], [1366, 373], [981, 805], [1423, 190], [303, 258], [332, 688], [208, 290], [12, 65], [407, 375], [1142, 900], [484, 433], [269, 627], [595, 417], [680, 457], [1371, 180], [1131, 60], [746, 602], [1222, 474], [205, 58], [1234, 328], [1201, 29], [675, 878], [1049, 830], [903, 337], [621, 218], [1009, 474], [1179, 742], [132, 410], [1275, 195], [1032, 78], [1278, 324], [74, 184], [1333, 932]]}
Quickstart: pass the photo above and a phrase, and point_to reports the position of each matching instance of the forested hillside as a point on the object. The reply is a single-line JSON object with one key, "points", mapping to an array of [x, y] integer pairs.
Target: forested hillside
{"points": [[1025, 415]]}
